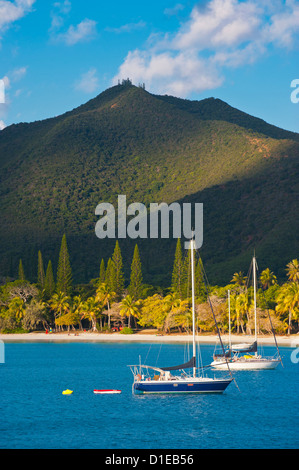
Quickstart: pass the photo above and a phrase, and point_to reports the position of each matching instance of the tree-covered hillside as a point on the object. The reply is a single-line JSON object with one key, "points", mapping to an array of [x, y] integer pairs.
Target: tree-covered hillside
{"points": [[53, 174]]}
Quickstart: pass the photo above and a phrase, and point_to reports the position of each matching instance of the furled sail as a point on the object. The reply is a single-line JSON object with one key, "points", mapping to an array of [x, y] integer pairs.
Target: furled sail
{"points": [[228, 353], [187, 365], [245, 347]]}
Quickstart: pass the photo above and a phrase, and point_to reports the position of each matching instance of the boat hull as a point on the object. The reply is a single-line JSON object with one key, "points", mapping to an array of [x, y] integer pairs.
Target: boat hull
{"points": [[177, 386], [247, 364]]}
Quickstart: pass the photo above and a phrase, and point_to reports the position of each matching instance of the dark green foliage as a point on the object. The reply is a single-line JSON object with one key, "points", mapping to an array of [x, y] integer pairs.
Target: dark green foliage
{"points": [[102, 272], [21, 274], [186, 275], [64, 271], [116, 272], [40, 271], [153, 149], [108, 274], [49, 282], [177, 272], [135, 287]]}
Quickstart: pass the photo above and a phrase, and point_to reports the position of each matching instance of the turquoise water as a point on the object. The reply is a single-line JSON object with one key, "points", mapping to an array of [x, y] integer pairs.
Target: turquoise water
{"points": [[35, 415]]}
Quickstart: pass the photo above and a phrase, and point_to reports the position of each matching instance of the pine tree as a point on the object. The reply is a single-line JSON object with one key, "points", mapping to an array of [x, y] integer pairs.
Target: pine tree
{"points": [[64, 271], [49, 282], [40, 271], [186, 275], [21, 274], [108, 274], [199, 280], [102, 272], [136, 276], [116, 274], [177, 272]]}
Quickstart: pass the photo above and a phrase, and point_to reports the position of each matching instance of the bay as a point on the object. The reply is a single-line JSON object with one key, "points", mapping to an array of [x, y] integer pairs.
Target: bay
{"points": [[261, 414]]}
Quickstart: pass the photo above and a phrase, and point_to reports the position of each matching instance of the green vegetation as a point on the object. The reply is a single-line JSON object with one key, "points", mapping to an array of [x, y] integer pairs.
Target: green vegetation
{"points": [[40, 271], [26, 307], [49, 282], [152, 148], [135, 286], [116, 275], [64, 271], [21, 275]]}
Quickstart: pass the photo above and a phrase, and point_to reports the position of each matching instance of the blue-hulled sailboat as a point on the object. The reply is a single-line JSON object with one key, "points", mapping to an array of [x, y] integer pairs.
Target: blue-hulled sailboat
{"points": [[175, 379]]}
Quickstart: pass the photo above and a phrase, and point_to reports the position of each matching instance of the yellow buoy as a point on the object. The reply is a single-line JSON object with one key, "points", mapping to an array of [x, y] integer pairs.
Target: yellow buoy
{"points": [[67, 392]]}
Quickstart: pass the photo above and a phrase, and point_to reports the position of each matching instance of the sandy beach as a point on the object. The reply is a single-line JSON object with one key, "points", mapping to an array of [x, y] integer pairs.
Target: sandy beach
{"points": [[142, 336]]}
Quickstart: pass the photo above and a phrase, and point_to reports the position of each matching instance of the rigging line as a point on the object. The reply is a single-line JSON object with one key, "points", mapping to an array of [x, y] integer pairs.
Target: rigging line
{"points": [[158, 354], [273, 331], [249, 275], [208, 366], [147, 354], [207, 286]]}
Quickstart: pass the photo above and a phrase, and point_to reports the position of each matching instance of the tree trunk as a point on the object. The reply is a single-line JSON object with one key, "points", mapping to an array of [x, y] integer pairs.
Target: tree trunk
{"points": [[290, 321]]}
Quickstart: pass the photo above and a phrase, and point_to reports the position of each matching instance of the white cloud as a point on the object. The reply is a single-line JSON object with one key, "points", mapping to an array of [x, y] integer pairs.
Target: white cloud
{"points": [[13, 11], [83, 31], [2, 125], [6, 81], [284, 25], [223, 34], [175, 10], [58, 14], [221, 23], [127, 28], [88, 82], [175, 74], [63, 7], [18, 74]]}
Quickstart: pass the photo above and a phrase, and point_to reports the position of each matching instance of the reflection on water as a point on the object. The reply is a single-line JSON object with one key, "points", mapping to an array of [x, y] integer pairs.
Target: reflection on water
{"points": [[35, 414]]}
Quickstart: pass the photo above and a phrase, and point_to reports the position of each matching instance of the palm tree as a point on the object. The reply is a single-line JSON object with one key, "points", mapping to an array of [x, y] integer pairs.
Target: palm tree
{"points": [[170, 301], [176, 310], [241, 309], [239, 280], [78, 307], [59, 304], [288, 302], [105, 296], [267, 278], [293, 270], [16, 308], [92, 310], [130, 308]]}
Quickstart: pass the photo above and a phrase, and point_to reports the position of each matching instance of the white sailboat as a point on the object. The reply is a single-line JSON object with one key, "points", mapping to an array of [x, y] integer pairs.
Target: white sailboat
{"points": [[239, 356], [149, 379]]}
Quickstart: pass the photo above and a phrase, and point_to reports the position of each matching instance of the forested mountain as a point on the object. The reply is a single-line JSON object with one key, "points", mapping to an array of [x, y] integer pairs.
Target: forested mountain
{"points": [[53, 174]]}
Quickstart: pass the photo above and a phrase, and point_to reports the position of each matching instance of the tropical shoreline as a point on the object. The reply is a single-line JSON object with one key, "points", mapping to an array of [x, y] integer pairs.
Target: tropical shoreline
{"points": [[64, 337]]}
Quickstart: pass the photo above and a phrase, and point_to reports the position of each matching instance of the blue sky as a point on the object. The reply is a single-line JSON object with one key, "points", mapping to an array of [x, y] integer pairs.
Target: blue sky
{"points": [[56, 55]]}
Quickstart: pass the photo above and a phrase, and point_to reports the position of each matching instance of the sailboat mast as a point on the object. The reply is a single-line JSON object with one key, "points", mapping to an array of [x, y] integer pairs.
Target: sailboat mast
{"points": [[254, 296], [193, 303], [229, 325]]}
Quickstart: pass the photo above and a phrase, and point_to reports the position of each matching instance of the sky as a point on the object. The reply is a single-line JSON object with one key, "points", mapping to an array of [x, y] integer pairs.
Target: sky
{"points": [[57, 55]]}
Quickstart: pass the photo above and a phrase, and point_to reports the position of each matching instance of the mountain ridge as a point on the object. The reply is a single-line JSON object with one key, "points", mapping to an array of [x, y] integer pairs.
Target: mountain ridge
{"points": [[151, 148]]}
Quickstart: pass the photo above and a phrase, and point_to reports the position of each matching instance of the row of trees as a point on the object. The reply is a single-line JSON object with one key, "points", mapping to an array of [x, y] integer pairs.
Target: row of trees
{"points": [[107, 299]]}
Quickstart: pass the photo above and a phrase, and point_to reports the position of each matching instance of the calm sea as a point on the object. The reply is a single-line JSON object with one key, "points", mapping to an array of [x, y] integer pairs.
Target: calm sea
{"points": [[35, 415]]}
